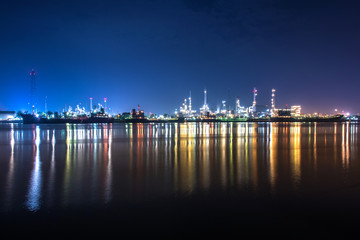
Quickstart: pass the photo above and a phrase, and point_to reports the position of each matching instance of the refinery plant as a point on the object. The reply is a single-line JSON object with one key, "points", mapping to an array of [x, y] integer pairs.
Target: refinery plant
{"points": [[252, 112], [102, 114]]}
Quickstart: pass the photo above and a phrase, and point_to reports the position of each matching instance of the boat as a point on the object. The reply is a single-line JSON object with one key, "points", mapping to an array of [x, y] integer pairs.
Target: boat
{"points": [[333, 118], [33, 119]]}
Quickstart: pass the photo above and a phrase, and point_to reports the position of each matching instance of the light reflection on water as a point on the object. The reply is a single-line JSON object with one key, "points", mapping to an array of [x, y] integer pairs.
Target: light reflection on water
{"points": [[47, 166], [34, 190]]}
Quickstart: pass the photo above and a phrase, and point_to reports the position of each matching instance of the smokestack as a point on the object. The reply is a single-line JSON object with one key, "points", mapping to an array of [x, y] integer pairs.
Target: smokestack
{"points": [[205, 97], [91, 106], [105, 99]]}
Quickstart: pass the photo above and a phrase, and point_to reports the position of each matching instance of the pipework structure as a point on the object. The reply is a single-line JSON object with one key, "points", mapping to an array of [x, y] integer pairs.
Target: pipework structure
{"points": [[186, 108]]}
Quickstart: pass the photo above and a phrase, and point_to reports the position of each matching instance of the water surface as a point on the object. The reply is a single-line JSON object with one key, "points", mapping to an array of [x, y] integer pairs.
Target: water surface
{"points": [[44, 168]]}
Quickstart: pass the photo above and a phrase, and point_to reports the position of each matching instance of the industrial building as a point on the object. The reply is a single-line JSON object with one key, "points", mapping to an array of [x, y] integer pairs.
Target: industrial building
{"points": [[7, 115], [253, 111]]}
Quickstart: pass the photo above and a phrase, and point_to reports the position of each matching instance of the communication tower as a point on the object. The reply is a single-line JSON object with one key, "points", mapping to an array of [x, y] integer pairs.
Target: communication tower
{"points": [[32, 90]]}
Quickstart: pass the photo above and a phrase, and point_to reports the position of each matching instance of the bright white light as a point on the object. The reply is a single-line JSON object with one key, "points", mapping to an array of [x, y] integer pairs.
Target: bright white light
{"points": [[34, 194]]}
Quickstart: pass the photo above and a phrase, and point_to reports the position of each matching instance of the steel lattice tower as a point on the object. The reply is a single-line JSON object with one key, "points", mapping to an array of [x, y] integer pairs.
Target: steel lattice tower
{"points": [[32, 89]]}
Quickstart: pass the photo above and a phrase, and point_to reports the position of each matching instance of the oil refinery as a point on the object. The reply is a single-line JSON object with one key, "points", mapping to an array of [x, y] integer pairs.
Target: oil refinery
{"points": [[101, 113]]}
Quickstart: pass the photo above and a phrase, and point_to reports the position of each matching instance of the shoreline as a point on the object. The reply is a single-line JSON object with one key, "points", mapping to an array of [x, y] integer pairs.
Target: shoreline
{"points": [[135, 121]]}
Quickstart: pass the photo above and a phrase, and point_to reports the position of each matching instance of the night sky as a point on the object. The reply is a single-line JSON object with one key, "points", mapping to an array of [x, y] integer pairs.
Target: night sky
{"points": [[154, 52]]}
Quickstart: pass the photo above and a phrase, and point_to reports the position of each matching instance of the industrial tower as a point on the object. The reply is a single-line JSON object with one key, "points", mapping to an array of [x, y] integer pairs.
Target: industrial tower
{"points": [[273, 102], [105, 110], [186, 110], [190, 104], [32, 91], [91, 106], [205, 98], [205, 108], [254, 101], [237, 104]]}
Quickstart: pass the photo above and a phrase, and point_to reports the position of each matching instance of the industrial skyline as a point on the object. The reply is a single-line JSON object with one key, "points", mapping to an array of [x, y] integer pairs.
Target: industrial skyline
{"points": [[153, 53], [186, 109], [227, 108]]}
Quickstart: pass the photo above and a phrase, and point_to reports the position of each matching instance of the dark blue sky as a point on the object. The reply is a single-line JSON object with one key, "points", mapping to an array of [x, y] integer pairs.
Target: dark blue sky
{"points": [[154, 52]]}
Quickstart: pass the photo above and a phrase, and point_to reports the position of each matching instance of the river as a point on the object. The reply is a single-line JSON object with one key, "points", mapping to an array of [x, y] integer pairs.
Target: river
{"points": [[179, 178]]}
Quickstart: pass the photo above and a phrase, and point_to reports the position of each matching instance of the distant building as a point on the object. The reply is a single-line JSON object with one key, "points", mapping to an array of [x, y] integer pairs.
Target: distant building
{"points": [[6, 115], [284, 113], [137, 114], [125, 115], [152, 116], [296, 110]]}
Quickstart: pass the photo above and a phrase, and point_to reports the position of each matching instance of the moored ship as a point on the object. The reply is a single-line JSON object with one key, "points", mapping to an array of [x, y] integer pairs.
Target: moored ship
{"points": [[333, 118], [94, 118]]}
